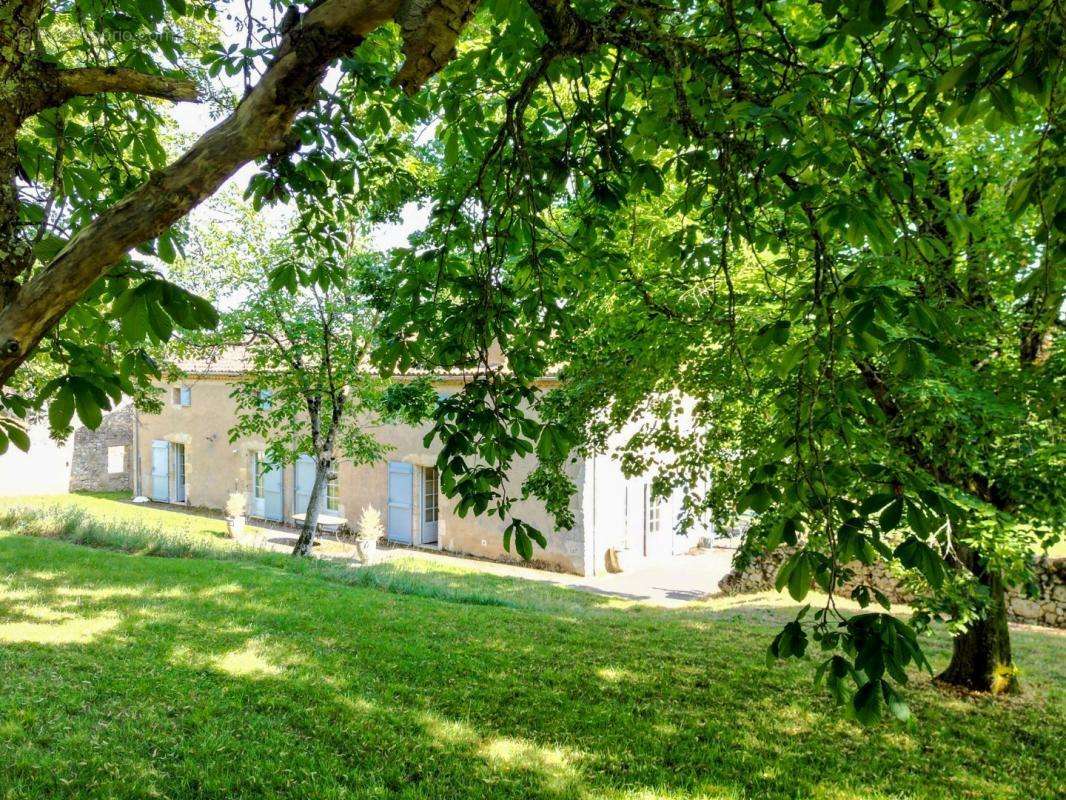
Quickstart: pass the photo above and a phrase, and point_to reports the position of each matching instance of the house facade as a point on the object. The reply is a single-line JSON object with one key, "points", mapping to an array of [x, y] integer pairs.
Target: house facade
{"points": [[184, 456]]}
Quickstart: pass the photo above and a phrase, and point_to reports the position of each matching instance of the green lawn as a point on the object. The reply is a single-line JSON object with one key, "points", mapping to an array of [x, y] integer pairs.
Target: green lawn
{"points": [[235, 675]]}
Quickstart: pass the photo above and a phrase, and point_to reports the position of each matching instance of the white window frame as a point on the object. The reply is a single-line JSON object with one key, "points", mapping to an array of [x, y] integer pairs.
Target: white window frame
{"points": [[654, 510], [113, 451], [333, 495], [258, 468], [430, 495]]}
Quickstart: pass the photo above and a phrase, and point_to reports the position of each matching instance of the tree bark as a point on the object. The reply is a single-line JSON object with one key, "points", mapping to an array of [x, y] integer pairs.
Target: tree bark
{"points": [[981, 656], [315, 503]]}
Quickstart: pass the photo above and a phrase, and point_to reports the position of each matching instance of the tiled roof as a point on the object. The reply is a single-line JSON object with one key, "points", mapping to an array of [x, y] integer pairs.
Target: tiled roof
{"points": [[222, 361], [233, 362]]}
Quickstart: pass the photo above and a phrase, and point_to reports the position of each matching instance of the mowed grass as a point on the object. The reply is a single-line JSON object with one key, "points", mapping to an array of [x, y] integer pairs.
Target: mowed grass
{"points": [[236, 675]]}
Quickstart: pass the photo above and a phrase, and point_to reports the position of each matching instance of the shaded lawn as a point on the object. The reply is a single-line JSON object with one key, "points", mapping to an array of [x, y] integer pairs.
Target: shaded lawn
{"points": [[131, 677]]}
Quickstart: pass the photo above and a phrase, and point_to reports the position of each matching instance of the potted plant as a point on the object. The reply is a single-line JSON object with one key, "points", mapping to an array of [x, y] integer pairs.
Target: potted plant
{"points": [[366, 538], [619, 560], [235, 515]]}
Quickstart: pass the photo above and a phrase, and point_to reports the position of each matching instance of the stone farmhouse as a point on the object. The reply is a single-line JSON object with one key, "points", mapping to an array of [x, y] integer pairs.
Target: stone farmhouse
{"points": [[183, 456]]}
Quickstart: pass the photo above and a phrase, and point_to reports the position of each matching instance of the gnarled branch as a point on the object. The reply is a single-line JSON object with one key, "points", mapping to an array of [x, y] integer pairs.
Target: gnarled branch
{"points": [[256, 127], [70, 83]]}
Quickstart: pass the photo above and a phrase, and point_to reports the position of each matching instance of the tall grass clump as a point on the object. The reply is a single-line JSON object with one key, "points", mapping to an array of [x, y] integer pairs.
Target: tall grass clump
{"points": [[78, 526]]}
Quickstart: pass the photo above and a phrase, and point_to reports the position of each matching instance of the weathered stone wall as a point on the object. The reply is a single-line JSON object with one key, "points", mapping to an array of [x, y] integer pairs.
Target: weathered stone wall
{"points": [[88, 461], [1048, 608]]}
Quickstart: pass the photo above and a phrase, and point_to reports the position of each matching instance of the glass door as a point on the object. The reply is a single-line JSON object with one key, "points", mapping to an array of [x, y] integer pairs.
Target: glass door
{"points": [[179, 473], [161, 471], [430, 504]]}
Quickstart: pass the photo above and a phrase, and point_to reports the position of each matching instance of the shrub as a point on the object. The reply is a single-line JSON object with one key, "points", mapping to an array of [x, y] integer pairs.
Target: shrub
{"points": [[235, 505], [370, 527]]}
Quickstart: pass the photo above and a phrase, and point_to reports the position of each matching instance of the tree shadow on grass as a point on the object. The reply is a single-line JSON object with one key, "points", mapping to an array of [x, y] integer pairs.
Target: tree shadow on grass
{"points": [[231, 680]]}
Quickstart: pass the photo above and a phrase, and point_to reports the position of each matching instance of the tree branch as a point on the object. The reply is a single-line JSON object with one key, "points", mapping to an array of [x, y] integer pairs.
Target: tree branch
{"points": [[258, 126], [67, 83]]}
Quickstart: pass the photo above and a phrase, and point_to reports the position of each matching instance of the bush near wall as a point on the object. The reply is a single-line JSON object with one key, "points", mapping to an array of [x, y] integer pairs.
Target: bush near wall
{"points": [[1048, 607]]}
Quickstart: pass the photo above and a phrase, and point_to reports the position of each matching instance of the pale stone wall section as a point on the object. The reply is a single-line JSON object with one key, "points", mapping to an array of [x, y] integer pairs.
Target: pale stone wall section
{"points": [[214, 468], [45, 469]]}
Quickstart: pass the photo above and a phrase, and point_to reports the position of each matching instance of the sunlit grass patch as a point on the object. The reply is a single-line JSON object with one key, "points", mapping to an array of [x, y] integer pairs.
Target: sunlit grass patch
{"points": [[247, 660], [250, 675], [60, 629]]}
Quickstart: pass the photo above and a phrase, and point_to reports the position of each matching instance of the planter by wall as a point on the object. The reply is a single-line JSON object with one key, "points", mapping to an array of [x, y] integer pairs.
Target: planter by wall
{"points": [[366, 550]]}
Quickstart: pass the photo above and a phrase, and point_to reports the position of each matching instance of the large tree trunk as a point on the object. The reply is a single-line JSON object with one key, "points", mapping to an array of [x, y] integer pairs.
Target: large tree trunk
{"points": [[315, 504], [981, 657]]}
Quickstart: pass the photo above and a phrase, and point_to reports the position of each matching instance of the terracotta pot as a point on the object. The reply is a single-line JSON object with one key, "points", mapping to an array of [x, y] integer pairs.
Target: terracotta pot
{"points": [[619, 560]]}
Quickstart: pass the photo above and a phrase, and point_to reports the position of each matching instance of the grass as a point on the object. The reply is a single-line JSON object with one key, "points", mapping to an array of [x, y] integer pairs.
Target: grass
{"points": [[225, 673], [107, 521]]}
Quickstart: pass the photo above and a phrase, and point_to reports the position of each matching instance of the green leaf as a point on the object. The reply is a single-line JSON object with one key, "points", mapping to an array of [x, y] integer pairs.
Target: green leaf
{"points": [[799, 577], [875, 502], [160, 322], [895, 703], [451, 147], [165, 249], [523, 544], [89, 411], [135, 320], [61, 408], [18, 436], [867, 702], [791, 358], [891, 516], [915, 554]]}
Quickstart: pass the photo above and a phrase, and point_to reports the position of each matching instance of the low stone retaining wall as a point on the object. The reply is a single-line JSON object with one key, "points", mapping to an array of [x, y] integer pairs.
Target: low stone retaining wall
{"points": [[1048, 608]]}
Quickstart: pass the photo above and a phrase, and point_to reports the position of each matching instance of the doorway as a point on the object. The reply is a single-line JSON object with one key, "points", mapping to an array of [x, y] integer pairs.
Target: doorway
{"points": [[178, 451], [430, 504], [160, 490], [267, 497], [401, 502]]}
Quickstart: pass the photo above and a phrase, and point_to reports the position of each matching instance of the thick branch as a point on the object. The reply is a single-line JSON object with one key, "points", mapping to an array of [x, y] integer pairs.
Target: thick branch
{"points": [[59, 85], [430, 29]]}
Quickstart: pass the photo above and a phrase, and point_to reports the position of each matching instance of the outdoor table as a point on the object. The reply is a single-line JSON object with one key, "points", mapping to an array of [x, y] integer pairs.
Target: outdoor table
{"points": [[324, 521]]}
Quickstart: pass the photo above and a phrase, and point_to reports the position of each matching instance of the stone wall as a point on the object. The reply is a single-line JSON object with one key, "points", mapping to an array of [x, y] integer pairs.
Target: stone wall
{"points": [[89, 454], [1048, 608]]}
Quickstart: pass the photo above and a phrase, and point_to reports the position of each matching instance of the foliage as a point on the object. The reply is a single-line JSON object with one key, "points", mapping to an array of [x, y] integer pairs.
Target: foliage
{"points": [[77, 157], [816, 250], [235, 505], [370, 526], [305, 389]]}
